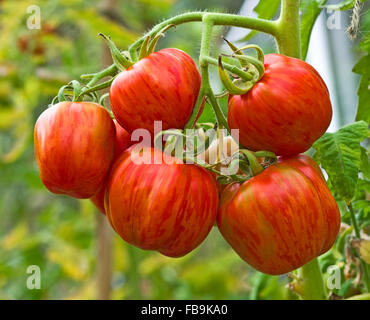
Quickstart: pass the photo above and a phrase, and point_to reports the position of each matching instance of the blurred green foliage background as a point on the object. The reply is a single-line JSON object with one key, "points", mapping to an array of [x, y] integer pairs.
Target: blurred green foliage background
{"points": [[77, 252]]}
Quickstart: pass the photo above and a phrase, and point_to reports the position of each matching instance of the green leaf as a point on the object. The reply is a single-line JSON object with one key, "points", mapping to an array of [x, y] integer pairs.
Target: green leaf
{"points": [[340, 155], [364, 185], [365, 43], [265, 10], [363, 92], [343, 5], [310, 10], [345, 287]]}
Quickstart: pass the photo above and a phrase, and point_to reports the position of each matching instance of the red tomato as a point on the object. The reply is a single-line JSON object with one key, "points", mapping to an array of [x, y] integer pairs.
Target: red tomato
{"points": [[74, 147], [166, 207], [286, 111], [163, 86], [122, 142], [282, 218]]}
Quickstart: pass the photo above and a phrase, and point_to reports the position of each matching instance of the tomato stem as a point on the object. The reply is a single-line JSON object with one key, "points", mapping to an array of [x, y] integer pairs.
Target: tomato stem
{"points": [[119, 59], [287, 35], [232, 68], [254, 165], [225, 19], [311, 282], [206, 86], [99, 86]]}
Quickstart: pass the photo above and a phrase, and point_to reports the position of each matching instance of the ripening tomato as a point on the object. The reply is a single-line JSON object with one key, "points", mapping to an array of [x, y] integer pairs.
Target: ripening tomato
{"points": [[282, 218], [74, 147], [163, 87], [286, 111], [164, 205], [122, 142]]}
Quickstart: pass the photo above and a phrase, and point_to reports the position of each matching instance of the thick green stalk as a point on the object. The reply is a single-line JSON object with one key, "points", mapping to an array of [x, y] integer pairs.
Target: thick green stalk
{"points": [[232, 68], [209, 21], [287, 32], [311, 281], [96, 77], [206, 89], [109, 71], [217, 19], [176, 20]]}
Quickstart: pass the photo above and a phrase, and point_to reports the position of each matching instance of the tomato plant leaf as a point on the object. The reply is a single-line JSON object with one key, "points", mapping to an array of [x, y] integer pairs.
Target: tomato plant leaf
{"points": [[365, 42], [343, 5], [340, 155], [310, 10], [363, 108]]}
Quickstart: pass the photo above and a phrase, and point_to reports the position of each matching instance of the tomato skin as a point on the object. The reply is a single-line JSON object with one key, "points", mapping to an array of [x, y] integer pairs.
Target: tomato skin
{"points": [[280, 219], [165, 207], [162, 86], [330, 208], [122, 142], [286, 111], [74, 147]]}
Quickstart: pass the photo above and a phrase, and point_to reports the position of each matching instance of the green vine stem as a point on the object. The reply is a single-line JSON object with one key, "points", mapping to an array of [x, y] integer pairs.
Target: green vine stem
{"points": [[232, 68], [109, 71], [287, 35], [210, 20], [217, 18], [311, 282], [96, 77]]}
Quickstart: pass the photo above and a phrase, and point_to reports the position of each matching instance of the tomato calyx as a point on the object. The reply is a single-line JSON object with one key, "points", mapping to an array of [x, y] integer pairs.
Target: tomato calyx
{"points": [[76, 92], [121, 61], [251, 66], [244, 165], [149, 44], [209, 147], [187, 144], [73, 91]]}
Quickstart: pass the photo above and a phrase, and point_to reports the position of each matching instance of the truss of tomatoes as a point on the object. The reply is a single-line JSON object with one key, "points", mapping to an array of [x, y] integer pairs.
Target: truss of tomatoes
{"points": [[276, 221]]}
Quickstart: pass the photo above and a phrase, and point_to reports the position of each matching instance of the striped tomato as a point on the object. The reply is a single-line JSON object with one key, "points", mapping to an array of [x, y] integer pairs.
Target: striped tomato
{"points": [[169, 207], [163, 86], [286, 111], [281, 218], [74, 147]]}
